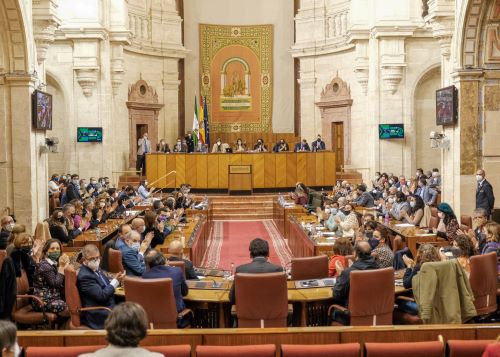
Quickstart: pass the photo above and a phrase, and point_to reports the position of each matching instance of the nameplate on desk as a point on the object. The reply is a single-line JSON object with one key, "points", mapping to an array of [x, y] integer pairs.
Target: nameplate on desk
{"points": [[240, 169], [315, 283]]}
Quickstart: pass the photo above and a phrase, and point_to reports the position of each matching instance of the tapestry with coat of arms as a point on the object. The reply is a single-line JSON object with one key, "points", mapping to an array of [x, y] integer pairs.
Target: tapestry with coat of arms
{"points": [[236, 65]]}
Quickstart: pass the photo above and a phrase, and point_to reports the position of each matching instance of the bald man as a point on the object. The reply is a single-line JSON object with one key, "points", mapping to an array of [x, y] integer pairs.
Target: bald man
{"points": [[484, 193], [175, 251], [362, 261]]}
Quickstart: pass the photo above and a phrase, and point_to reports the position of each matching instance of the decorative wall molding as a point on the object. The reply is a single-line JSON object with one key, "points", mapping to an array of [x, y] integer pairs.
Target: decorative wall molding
{"points": [[87, 78], [45, 22], [441, 19], [361, 65], [392, 62]]}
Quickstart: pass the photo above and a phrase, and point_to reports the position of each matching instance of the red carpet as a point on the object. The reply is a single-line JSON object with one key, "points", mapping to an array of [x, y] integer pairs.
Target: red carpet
{"points": [[230, 240]]}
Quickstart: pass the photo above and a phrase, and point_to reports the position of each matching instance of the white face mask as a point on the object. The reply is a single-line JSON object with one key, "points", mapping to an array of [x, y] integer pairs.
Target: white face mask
{"points": [[136, 246], [391, 182], [390, 200], [142, 229], [9, 227], [413, 204], [327, 211], [94, 264], [218, 142], [479, 178]]}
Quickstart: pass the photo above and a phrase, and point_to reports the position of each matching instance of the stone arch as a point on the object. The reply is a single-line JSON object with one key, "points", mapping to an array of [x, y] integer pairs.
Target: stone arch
{"points": [[13, 22]]}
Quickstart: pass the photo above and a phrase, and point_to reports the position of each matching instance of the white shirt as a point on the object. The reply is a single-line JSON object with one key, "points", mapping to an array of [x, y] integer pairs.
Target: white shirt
{"points": [[53, 187]]}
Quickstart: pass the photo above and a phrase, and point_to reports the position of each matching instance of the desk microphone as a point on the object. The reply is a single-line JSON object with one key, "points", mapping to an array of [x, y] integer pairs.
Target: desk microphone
{"points": [[215, 284]]}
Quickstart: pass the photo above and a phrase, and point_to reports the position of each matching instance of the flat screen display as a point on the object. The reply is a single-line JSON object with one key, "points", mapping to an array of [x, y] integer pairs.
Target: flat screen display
{"points": [[391, 131], [41, 110], [446, 106], [89, 135]]}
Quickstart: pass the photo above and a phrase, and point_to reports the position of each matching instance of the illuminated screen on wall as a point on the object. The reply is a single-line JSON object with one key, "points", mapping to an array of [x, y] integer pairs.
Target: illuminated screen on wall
{"points": [[391, 131], [89, 135]]}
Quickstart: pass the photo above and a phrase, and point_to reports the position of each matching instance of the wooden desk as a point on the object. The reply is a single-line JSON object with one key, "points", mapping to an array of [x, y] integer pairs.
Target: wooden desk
{"points": [[269, 170], [280, 216], [299, 241]]}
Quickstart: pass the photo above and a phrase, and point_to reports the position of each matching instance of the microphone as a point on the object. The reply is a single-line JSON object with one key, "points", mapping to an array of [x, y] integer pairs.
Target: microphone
{"points": [[215, 284]]}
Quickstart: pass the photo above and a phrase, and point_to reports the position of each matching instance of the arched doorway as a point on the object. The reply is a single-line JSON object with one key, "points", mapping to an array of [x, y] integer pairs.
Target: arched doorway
{"points": [[425, 120]]}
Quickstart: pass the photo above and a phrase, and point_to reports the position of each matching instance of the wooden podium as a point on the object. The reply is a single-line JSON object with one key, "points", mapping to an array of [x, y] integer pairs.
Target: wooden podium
{"points": [[240, 179]]}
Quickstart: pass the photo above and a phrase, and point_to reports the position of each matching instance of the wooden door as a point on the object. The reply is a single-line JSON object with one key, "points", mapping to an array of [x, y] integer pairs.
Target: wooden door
{"points": [[338, 144]]}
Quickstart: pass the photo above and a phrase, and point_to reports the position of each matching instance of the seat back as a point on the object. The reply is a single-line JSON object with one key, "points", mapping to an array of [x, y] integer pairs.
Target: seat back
{"points": [[179, 264], [433, 222], [261, 300], [72, 296], [115, 264], [240, 351], [337, 350], [310, 267], [483, 281], [469, 348], [73, 351], [147, 293], [42, 231], [3, 254], [379, 286], [23, 287], [466, 221], [171, 351], [406, 349]]}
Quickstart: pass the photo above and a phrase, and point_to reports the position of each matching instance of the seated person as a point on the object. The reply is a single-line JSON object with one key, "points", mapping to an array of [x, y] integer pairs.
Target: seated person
{"points": [[336, 212], [382, 253], [48, 281], [62, 225], [260, 147], [302, 146], [281, 146], [143, 191], [448, 224], [300, 195], [240, 146], [259, 253], [318, 144], [158, 268], [365, 199], [466, 250], [491, 232], [22, 257], [125, 327], [157, 226], [175, 251], [416, 212], [180, 146], [341, 248], [133, 252], [350, 224], [219, 146], [162, 146], [363, 260], [94, 287]]}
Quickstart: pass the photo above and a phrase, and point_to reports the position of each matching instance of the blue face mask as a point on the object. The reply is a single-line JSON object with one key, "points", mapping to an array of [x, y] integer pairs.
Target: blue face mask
{"points": [[334, 211], [136, 246]]}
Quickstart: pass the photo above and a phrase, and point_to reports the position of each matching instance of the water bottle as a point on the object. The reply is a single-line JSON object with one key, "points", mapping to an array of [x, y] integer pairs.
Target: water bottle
{"points": [[98, 232], [386, 218], [232, 269]]}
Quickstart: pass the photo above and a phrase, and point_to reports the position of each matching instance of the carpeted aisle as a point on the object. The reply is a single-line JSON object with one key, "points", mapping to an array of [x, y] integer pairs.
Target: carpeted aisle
{"points": [[230, 240]]}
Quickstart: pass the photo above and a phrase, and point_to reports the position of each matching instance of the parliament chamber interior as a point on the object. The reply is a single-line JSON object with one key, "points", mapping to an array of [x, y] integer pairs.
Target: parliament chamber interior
{"points": [[250, 178]]}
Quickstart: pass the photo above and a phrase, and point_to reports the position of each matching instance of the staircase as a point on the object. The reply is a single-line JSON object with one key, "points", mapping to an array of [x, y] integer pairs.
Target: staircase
{"points": [[242, 207], [125, 180]]}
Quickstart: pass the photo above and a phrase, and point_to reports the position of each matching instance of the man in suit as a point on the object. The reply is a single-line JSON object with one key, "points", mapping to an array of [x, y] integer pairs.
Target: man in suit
{"points": [[259, 252], [189, 141], [425, 192], [281, 146], [302, 146], [73, 189], [260, 146], [94, 287], [365, 199], [158, 268], [484, 193], [175, 251], [219, 146], [363, 260], [133, 253], [143, 148], [318, 144]]}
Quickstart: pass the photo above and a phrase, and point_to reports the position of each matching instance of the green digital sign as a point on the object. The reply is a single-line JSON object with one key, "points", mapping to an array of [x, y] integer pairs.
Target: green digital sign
{"points": [[391, 131]]}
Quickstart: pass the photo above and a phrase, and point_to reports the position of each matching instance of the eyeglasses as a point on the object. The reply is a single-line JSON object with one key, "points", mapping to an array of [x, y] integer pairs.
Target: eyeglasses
{"points": [[95, 259]]}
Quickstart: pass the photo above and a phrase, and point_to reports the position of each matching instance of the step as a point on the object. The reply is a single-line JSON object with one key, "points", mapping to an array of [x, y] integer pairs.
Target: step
{"points": [[249, 217], [242, 204]]}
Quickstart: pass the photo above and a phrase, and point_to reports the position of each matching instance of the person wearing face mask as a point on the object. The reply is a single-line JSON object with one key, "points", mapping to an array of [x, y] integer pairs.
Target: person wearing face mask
{"points": [[143, 191], [484, 193], [318, 144], [8, 340], [369, 228], [426, 193], [419, 173], [162, 146], [54, 186], [22, 256], [350, 224], [73, 189], [382, 252], [399, 205], [219, 146], [336, 212], [376, 180], [48, 280], [365, 199], [7, 226], [239, 146], [435, 179], [188, 139], [341, 248], [179, 147], [133, 253], [416, 212], [491, 232], [302, 146], [448, 224], [94, 288], [300, 195], [281, 146], [260, 146], [93, 187], [155, 225], [143, 148], [61, 224]]}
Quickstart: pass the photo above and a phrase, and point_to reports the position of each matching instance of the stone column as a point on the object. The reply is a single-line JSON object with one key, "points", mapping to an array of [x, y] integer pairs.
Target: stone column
{"points": [[168, 125], [310, 124], [29, 166]]}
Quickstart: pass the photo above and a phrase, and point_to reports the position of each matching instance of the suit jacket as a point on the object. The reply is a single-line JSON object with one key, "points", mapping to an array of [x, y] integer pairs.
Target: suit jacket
{"points": [[365, 200], [257, 266], [58, 232], [183, 148], [261, 148], [116, 351], [276, 147], [190, 272], [427, 194], [72, 193], [485, 197], [95, 290], [178, 282], [223, 147], [318, 146], [298, 147], [143, 146], [133, 262]]}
